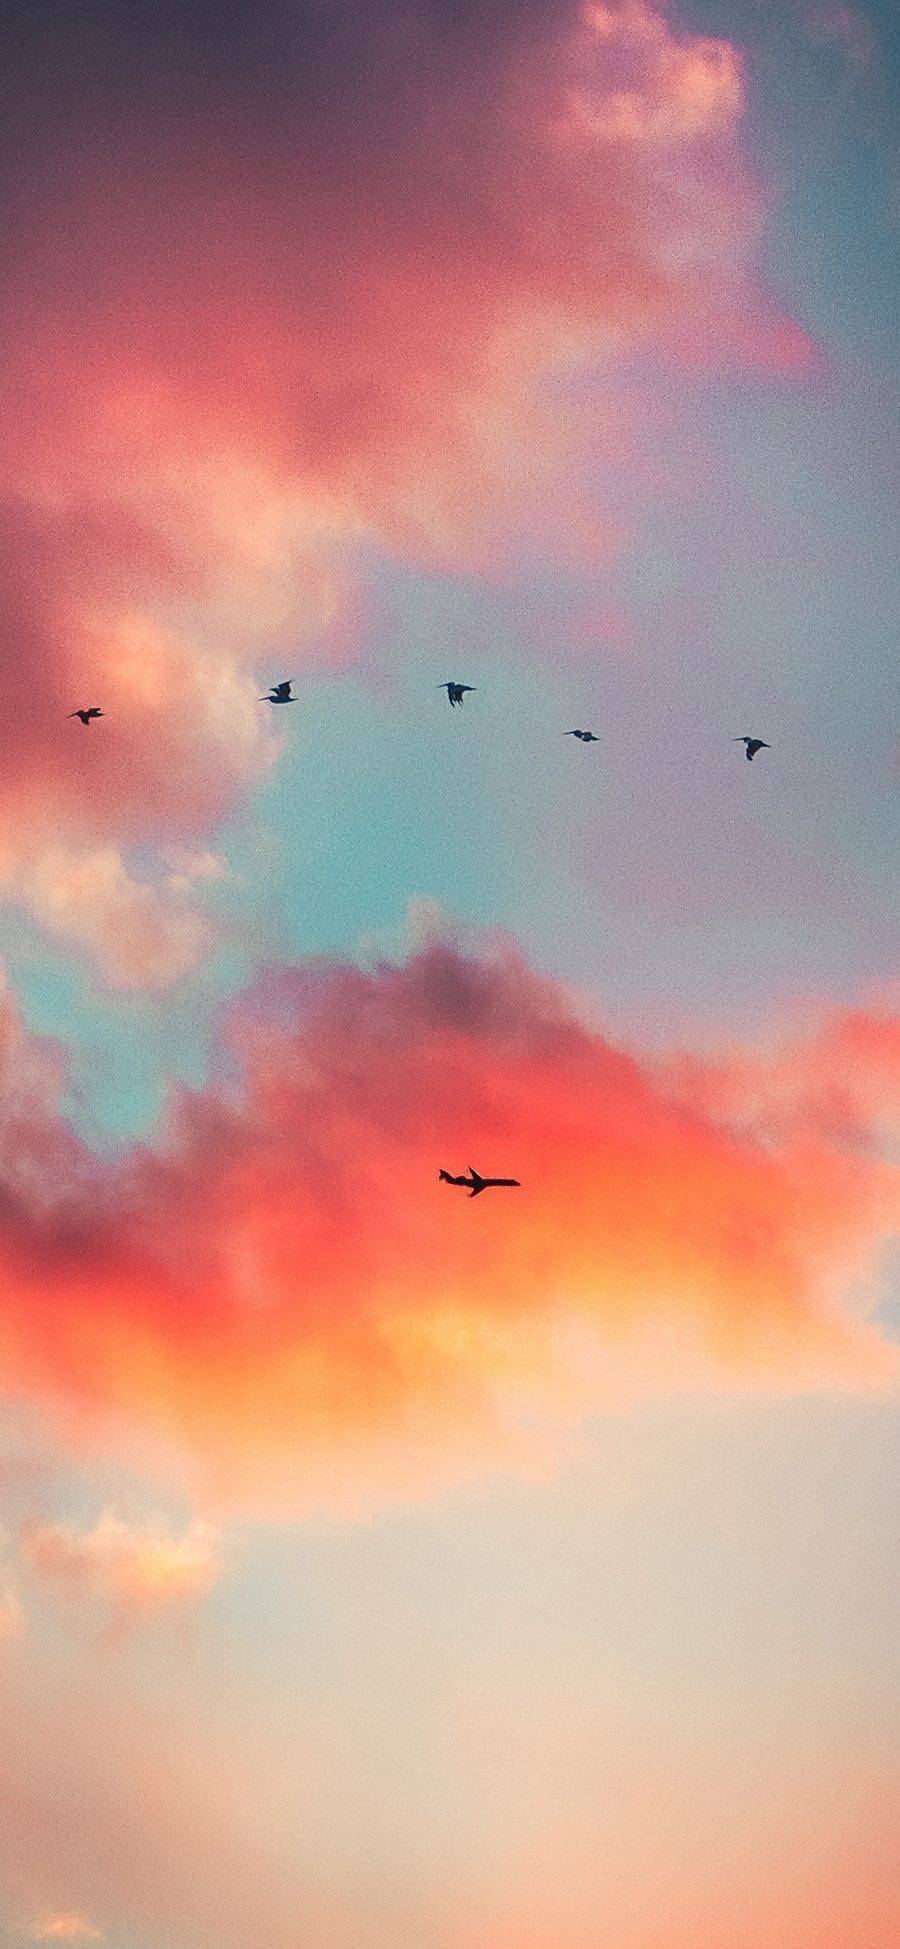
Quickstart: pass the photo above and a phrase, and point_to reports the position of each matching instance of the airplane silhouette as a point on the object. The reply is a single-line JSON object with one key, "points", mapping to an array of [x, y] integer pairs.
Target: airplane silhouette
{"points": [[474, 1182], [752, 746], [279, 694], [587, 737], [455, 692], [86, 716]]}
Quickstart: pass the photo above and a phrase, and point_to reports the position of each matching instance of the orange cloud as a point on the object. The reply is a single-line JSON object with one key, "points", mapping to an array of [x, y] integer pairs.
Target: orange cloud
{"points": [[135, 1566], [285, 1292], [65, 1925], [270, 293]]}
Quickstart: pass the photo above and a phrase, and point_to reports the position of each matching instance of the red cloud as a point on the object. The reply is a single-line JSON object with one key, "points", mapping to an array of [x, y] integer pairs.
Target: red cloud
{"points": [[272, 286], [285, 1291]]}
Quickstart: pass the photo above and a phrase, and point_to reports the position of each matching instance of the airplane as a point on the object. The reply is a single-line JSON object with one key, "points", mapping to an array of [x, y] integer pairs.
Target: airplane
{"points": [[752, 746], [279, 694], [85, 716], [474, 1182], [455, 692]]}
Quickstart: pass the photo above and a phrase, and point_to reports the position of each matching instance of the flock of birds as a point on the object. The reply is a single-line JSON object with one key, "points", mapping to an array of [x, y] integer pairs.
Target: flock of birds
{"points": [[282, 693]]}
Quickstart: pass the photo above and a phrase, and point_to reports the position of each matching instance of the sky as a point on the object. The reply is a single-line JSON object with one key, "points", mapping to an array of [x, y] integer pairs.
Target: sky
{"points": [[380, 1565]]}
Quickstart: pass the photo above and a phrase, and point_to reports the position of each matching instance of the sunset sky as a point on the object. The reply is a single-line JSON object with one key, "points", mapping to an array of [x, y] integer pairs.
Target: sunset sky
{"points": [[381, 1568]]}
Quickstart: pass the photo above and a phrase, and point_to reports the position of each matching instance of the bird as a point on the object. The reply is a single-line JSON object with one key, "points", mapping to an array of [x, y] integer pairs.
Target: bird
{"points": [[475, 1182], [456, 692], [279, 694], [85, 716], [587, 737], [752, 746]]}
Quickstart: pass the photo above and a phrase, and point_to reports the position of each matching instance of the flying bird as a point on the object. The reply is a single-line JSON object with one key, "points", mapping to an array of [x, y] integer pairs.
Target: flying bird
{"points": [[456, 692], [587, 737], [752, 746], [474, 1182], [279, 694], [85, 716]]}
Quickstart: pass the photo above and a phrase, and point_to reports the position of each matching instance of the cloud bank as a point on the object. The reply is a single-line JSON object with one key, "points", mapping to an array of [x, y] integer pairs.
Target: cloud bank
{"points": [[283, 1291], [280, 279]]}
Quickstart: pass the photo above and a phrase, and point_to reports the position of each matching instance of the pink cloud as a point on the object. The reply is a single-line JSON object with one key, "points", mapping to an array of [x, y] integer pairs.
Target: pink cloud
{"points": [[140, 935], [12, 1620], [233, 358], [607, 628], [848, 27]]}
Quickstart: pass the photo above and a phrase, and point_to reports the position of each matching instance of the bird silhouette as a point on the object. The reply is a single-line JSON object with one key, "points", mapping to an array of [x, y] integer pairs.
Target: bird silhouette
{"points": [[752, 746], [85, 716], [475, 1182], [587, 737], [279, 694], [456, 692]]}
